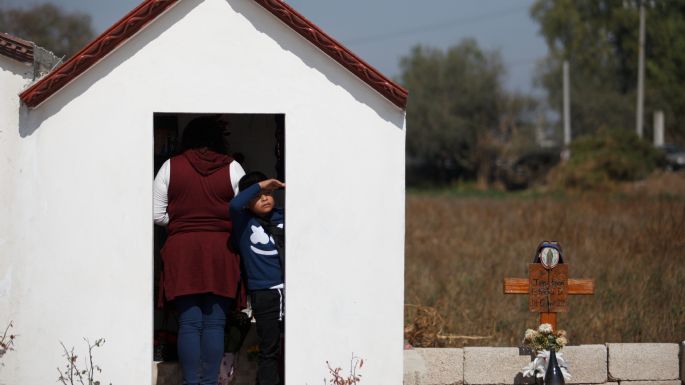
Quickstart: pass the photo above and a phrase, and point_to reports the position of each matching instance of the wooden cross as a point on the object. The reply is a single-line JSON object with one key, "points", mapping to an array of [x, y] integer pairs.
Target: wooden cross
{"points": [[548, 290]]}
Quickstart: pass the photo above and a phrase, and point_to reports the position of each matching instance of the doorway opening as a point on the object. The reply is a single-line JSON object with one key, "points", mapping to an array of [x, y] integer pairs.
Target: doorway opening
{"points": [[257, 142]]}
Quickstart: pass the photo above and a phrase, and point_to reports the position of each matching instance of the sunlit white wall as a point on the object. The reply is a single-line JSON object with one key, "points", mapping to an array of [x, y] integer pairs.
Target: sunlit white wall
{"points": [[85, 196], [14, 76]]}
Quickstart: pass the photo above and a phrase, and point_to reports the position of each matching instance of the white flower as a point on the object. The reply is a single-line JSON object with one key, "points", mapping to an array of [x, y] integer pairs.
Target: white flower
{"points": [[538, 367], [529, 335], [534, 368], [561, 341], [545, 328]]}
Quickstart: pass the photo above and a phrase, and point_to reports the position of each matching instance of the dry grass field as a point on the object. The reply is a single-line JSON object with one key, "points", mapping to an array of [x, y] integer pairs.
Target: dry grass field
{"points": [[459, 247]]}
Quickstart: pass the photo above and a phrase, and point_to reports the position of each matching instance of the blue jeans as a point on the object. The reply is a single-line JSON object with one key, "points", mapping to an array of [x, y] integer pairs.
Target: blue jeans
{"points": [[201, 322]]}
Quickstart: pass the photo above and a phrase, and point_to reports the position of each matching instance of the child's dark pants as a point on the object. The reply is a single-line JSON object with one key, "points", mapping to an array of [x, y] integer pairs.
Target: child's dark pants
{"points": [[267, 308]]}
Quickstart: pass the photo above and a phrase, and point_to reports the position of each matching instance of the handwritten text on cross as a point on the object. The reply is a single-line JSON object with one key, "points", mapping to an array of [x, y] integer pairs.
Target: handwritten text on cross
{"points": [[548, 290]]}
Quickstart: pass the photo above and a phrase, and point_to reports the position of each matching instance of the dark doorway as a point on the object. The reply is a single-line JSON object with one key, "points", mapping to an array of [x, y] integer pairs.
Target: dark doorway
{"points": [[256, 141]]}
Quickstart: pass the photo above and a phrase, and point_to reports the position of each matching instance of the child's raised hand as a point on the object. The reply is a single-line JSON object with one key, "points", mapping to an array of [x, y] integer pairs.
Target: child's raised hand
{"points": [[271, 184]]}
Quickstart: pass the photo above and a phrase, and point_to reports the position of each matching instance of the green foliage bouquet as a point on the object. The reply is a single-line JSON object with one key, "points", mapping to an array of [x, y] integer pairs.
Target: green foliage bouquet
{"points": [[544, 338]]}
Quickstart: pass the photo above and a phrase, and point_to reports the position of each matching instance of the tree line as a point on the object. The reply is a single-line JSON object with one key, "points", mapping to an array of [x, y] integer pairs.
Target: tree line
{"points": [[463, 125], [63, 33]]}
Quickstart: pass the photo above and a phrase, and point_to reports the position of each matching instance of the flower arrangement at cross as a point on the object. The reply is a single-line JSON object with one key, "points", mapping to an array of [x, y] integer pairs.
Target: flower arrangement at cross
{"points": [[541, 341], [544, 338]]}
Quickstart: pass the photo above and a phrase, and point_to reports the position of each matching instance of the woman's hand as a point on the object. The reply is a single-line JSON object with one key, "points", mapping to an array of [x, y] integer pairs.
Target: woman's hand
{"points": [[271, 184]]}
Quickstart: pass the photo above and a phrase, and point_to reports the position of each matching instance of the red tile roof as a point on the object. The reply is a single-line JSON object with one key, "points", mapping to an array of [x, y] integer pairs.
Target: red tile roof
{"points": [[391, 90], [16, 48], [117, 34], [148, 10]]}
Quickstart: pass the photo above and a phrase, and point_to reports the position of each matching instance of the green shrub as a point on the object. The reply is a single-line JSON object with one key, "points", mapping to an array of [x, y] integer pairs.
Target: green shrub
{"points": [[606, 157]]}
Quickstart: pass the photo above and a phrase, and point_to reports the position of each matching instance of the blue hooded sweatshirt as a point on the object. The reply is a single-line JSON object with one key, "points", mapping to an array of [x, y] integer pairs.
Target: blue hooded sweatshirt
{"points": [[257, 249]]}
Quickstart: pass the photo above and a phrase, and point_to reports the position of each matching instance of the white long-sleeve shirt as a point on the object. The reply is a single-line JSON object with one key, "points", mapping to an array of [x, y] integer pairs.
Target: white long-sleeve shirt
{"points": [[160, 189]]}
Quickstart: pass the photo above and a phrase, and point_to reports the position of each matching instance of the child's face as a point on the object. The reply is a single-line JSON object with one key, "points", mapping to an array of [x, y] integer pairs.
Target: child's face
{"points": [[263, 203]]}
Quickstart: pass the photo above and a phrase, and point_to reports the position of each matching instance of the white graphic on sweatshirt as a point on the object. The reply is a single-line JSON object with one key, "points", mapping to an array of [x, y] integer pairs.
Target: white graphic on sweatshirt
{"points": [[259, 236]]}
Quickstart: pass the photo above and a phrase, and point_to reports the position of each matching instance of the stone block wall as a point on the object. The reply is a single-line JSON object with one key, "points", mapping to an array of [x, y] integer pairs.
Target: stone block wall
{"points": [[610, 364], [643, 362]]}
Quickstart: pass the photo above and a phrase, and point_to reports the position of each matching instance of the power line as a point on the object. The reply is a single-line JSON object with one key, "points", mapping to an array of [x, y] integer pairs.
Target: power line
{"points": [[431, 27]]}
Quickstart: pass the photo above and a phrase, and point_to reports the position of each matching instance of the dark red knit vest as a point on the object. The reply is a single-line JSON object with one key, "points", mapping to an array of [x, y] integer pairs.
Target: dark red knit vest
{"points": [[197, 202], [196, 255]]}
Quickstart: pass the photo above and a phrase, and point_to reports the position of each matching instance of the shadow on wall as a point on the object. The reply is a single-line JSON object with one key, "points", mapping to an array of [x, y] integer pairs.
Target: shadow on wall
{"points": [[520, 380]]}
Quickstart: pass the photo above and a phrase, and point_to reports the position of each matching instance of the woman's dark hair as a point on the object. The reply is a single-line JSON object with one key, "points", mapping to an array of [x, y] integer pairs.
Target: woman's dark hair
{"points": [[205, 131], [251, 178]]}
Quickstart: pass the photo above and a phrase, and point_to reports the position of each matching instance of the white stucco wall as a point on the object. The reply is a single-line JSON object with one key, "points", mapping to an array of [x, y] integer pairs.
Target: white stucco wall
{"points": [[84, 233], [14, 76]]}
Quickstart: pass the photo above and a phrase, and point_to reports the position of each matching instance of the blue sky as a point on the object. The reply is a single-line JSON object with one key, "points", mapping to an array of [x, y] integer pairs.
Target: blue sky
{"points": [[382, 31]]}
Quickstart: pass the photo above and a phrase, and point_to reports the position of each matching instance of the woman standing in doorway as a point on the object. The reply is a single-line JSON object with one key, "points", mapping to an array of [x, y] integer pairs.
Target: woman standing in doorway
{"points": [[201, 274]]}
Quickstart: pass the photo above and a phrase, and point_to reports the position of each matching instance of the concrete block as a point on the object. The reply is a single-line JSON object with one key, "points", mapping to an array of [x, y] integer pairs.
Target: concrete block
{"points": [[609, 383], [605, 383], [644, 361], [586, 363], [682, 361], [414, 367], [484, 365], [664, 382], [442, 366], [166, 373]]}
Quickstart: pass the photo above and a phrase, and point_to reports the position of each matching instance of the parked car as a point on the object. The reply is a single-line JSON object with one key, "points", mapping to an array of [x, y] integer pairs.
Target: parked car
{"points": [[675, 156], [524, 170]]}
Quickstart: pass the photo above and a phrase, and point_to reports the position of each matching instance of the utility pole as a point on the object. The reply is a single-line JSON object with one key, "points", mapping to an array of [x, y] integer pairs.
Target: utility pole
{"points": [[658, 128], [641, 71], [567, 106]]}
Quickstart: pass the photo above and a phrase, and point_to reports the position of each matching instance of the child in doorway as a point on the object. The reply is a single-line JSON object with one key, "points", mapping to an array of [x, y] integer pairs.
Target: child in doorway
{"points": [[259, 235]]}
